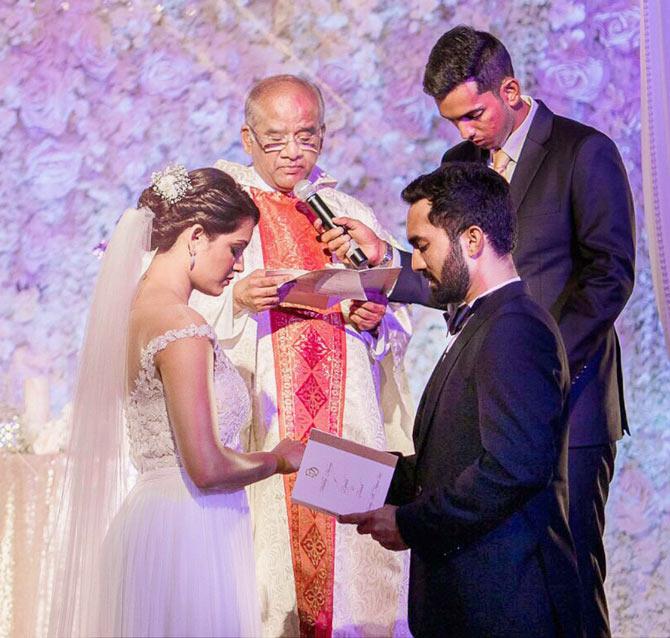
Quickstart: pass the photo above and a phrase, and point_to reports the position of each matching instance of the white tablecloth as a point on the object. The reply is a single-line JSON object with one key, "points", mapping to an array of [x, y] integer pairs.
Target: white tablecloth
{"points": [[29, 489]]}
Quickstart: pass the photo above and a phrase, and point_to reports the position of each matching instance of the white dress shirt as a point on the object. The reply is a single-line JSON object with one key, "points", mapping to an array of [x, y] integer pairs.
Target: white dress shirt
{"points": [[514, 143]]}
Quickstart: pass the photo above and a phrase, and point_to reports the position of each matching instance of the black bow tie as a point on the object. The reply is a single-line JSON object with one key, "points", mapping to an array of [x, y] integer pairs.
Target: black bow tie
{"points": [[456, 319]]}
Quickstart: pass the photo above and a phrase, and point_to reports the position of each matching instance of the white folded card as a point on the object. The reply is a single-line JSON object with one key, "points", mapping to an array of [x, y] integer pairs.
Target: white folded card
{"points": [[338, 476], [324, 288]]}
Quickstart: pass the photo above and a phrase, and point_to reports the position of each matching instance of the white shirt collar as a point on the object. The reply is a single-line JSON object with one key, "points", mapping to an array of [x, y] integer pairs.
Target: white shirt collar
{"points": [[514, 143], [498, 287], [249, 177], [451, 338], [486, 292]]}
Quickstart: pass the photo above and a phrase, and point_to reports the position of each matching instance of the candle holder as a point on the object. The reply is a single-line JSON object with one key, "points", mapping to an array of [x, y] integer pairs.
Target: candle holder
{"points": [[11, 430]]}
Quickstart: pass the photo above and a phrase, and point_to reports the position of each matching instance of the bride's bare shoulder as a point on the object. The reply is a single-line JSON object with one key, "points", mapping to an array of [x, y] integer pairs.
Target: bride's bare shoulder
{"points": [[148, 321]]}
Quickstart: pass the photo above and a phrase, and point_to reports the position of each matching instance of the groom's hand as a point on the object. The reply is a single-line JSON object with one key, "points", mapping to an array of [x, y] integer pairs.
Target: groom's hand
{"points": [[380, 524]]}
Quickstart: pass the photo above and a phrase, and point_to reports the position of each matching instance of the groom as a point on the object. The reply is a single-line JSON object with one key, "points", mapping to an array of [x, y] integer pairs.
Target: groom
{"points": [[482, 504]]}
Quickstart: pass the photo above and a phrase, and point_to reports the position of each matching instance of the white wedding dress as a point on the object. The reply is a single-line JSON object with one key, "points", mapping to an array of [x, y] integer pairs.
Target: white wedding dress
{"points": [[178, 560]]}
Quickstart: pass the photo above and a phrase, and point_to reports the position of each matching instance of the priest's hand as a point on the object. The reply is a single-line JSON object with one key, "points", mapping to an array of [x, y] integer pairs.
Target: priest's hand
{"points": [[257, 292], [338, 239], [380, 524], [367, 315]]}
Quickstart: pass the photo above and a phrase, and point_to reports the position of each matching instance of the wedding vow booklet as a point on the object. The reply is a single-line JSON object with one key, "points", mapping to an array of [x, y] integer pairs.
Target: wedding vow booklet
{"points": [[338, 476], [324, 288]]}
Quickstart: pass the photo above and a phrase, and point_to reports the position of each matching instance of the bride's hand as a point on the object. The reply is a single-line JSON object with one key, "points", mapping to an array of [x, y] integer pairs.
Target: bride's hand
{"points": [[289, 454]]}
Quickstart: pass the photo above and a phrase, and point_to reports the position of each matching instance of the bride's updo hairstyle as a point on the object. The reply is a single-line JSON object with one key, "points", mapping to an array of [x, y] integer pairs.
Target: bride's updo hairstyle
{"points": [[205, 196]]}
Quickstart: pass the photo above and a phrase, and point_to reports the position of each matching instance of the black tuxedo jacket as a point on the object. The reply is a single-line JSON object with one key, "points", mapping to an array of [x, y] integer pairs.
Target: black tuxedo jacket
{"points": [[576, 251], [483, 501]]}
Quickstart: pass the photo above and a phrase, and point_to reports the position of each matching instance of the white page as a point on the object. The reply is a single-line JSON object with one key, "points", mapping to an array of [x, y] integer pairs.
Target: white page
{"points": [[329, 286], [341, 477]]}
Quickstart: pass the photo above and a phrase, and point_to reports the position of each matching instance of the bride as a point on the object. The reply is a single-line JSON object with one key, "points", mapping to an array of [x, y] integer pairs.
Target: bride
{"points": [[173, 557]]}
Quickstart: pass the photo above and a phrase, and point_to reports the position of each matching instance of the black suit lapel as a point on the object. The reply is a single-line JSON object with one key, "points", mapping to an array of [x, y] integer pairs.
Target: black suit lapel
{"points": [[532, 154], [430, 398], [439, 377], [418, 419]]}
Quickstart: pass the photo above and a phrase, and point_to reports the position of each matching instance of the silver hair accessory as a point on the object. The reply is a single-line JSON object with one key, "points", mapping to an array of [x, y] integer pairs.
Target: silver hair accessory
{"points": [[172, 183]]}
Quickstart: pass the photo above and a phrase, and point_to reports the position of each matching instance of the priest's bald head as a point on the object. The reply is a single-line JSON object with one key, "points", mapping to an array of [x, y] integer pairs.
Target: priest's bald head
{"points": [[283, 129]]}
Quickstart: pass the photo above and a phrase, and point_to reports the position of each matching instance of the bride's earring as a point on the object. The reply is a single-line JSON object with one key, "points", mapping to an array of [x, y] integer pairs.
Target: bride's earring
{"points": [[191, 252]]}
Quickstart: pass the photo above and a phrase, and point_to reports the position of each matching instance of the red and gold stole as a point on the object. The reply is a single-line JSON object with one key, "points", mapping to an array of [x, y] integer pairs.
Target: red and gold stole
{"points": [[310, 362]]}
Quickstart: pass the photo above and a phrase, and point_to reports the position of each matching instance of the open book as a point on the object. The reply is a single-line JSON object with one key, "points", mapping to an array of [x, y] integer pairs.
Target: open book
{"points": [[329, 286], [338, 476]]}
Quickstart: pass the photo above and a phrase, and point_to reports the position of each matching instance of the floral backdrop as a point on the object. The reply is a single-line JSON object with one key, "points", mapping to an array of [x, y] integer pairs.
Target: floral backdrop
{"points": [[95, 95]]}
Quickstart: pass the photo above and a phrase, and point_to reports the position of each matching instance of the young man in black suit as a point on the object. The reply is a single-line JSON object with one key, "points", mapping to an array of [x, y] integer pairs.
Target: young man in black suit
{"points": [[483, 502], [575, 250]]}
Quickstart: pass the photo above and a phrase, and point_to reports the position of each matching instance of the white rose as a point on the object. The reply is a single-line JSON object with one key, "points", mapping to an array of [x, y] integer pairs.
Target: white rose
{"points": [[632, 505], [577, 79], [92, 47], [26, 304], [566, 14], [619, 28], [47, 99], [52, 170], [7, 120], [166, 75]]}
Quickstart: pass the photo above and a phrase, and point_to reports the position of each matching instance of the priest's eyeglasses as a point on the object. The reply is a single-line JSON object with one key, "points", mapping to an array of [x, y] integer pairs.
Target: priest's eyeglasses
{"points": [[273, 143]]}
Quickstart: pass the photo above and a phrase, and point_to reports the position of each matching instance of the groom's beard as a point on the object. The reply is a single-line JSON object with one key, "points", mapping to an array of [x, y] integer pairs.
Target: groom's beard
{"points": [[454, 279]]}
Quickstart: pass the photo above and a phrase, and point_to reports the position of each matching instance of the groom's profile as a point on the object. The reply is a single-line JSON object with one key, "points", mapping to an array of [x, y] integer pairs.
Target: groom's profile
{"points": [[482, 503]]}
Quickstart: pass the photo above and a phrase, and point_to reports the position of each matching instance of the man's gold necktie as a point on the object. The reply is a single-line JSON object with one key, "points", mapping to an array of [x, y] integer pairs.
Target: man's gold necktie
{"points": [[500, 161]]}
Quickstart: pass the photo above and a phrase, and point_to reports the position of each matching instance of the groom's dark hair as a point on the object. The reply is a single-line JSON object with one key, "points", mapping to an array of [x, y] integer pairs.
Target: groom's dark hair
{"points": [[214, 200], [464, 194]]}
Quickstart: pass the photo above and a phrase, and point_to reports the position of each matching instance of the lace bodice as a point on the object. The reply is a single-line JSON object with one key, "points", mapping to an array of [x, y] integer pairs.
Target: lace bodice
{"points": [[151, 438]]}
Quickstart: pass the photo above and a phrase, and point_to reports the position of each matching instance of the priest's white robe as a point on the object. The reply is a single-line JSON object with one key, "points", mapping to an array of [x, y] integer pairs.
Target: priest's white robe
{"points": [[370, 590]]}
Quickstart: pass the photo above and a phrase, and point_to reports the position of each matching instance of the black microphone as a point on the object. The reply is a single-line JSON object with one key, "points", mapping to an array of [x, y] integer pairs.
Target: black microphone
{"points": [[305, 191]]}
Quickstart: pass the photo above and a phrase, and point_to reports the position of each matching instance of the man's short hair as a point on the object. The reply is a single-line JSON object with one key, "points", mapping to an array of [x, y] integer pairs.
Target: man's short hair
{"points": [[464, 194], [264, 86], [463, 54]]}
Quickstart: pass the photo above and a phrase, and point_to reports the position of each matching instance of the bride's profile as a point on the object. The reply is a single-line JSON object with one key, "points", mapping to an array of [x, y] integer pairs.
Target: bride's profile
{"points": [[172, 556]]}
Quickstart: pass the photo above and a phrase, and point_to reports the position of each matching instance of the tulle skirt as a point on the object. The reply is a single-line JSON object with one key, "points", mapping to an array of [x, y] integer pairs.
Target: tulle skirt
{"points": [[178, 561]]}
